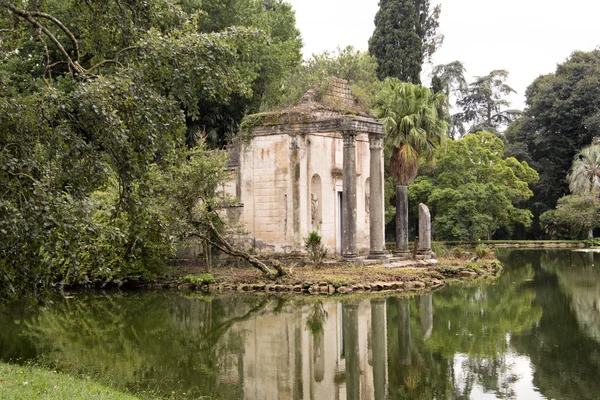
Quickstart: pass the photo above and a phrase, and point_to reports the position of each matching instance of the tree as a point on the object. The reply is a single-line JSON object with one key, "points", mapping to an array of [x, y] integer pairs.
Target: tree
{"points": [[483, 105], [405, 35], [450, 80], [473, 189], [575, 216], [579, 212], [562, 116], [85, 140], [414, 129], [585, 171]]}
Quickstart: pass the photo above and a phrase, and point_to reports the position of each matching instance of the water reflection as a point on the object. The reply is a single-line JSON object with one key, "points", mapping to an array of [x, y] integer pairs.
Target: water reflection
{"points": [[532, 334]]}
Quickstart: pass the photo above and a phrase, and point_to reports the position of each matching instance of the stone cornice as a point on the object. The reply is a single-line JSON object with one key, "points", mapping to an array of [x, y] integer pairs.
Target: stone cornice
{"points": [[359, 124]]}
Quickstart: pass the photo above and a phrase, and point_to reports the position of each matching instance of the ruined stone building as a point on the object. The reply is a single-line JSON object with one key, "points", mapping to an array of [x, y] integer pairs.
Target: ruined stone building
{"points": [[314, 166]]}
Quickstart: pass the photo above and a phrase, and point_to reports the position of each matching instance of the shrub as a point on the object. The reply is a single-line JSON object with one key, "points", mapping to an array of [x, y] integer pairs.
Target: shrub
{"points": [[313, 244], [457, 252], [199, 280], [482, 251], [439, 249]]}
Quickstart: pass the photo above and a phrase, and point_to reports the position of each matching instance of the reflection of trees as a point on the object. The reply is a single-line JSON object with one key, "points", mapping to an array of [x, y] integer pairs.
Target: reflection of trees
{"points": [[476, 320], [579, 278], [560, 347], [314, 323], [152, 341], [414, 371]]}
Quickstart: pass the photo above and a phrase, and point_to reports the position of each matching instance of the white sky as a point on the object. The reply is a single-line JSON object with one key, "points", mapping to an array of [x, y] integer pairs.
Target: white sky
{"points": [[526, 37]]}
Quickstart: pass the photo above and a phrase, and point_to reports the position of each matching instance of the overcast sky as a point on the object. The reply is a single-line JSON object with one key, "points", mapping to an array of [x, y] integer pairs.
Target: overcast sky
{"points": [[526, 37]]}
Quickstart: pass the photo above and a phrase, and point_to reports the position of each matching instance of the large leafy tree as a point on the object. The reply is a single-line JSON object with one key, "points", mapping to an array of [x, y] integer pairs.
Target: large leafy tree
{"points": [[562, 116], [405, 35], [473, 189], [575, 216], [414, 129], [88, 125]]}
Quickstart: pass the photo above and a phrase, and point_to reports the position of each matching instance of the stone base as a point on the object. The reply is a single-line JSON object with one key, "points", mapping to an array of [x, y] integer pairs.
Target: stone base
{"points": [[356, 260], [378, 255], [402, 255]]}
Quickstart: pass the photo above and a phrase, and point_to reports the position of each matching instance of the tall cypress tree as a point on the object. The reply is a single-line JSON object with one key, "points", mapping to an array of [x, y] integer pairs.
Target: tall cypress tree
{"points": [[405, 35]]}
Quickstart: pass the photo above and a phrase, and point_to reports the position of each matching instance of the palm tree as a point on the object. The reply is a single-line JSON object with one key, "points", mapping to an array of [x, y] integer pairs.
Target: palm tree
{"points": [[585, 171], [584, 177], [414, 129]]}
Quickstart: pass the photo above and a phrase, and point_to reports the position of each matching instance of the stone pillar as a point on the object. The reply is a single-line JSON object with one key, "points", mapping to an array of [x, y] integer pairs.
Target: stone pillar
{"points": [[295, 173], [402, 219], [349, 192], [376, 205], [424, 230]]}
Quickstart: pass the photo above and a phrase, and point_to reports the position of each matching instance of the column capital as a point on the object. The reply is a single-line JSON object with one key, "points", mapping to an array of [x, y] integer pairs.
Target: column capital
{"points": [[376, 141], [349, 138]]}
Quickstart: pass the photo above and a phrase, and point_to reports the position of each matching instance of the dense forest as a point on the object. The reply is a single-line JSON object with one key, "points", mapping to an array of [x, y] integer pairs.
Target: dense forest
{"points": [[115, 113]]}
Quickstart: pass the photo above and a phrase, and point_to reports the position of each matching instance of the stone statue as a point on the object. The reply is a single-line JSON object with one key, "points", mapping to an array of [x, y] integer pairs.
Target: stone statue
{"points": [[314, 207]]}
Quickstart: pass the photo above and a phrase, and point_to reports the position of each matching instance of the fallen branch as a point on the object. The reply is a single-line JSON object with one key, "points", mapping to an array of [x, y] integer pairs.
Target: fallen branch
{"points": [[222, 244]]}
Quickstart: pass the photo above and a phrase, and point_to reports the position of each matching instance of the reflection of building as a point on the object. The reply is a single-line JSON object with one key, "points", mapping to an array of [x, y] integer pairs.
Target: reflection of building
{"points": [[287, 357]]}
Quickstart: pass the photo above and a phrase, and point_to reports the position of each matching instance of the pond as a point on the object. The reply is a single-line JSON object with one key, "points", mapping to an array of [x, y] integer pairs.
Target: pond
{"points": [[532, 334]]}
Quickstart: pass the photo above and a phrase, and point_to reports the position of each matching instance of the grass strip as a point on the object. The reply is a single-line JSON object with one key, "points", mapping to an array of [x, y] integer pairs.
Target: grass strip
{"points": [[29, 382]]}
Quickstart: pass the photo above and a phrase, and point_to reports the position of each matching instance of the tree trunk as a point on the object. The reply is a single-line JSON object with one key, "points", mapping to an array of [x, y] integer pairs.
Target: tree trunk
{"points": [[402, 218], [591, 233]]}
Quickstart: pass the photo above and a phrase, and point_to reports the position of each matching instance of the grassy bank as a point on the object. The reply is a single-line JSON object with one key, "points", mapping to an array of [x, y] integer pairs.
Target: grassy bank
{"points": [[28, 382]]}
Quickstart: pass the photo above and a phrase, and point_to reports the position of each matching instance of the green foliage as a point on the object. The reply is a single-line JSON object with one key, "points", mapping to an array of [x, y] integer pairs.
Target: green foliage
{"points": [[97, 183], [315, 247], [575, 216], [473, 189], [405, 35], [458, 252], [357, 67], [439, 249], [483, 251], [414, 128], [584, 176], [561, 118], [199, 280], [483, 104]]}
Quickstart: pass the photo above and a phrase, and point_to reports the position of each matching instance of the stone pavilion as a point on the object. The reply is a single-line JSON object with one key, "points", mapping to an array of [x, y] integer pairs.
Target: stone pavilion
{"points": [[314, 166]]}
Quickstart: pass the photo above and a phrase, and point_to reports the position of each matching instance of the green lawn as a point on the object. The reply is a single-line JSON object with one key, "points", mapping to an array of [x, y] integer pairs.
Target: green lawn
{"points": [[28, 382]]}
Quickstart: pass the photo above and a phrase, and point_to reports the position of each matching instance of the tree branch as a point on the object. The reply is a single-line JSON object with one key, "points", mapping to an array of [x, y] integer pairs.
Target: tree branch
{"points": [[222, 244], [28, 16]]}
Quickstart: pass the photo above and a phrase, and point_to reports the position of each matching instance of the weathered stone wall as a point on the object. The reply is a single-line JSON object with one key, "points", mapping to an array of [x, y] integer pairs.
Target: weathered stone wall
{"points": [[265, 189], [279, 176]]}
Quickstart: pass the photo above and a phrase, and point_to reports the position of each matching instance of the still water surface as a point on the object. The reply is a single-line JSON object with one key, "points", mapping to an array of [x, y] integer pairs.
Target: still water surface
{"points": [[532, 334]]}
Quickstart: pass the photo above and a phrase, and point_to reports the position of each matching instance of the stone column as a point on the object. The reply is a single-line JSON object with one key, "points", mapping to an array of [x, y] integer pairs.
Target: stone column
{"points": [[376, 205], [424, 230], [402, 219], [349, 192]]}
